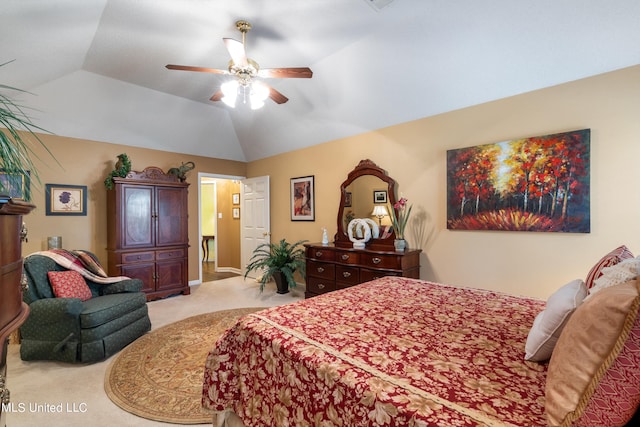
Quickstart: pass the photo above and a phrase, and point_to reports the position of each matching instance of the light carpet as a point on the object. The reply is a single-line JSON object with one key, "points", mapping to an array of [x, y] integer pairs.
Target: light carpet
{"points": [[159, 376]]}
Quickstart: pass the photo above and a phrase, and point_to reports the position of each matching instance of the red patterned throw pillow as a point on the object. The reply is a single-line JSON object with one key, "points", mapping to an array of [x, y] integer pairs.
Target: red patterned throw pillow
{"points": [[610, 259], [69, 284]]}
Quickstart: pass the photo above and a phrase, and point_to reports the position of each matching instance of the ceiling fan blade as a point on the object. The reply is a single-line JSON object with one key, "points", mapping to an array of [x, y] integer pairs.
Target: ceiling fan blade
{"points": [[277, 97], [217, 96], [236, 51], [199, 69], [283, 73]]}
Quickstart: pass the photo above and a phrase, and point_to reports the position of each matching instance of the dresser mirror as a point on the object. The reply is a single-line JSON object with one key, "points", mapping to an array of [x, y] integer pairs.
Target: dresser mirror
{"points": [[366, 187]]}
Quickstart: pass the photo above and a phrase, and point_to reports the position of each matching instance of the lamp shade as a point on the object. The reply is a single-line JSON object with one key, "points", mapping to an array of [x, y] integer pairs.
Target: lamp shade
{"points": [[380, 211]]}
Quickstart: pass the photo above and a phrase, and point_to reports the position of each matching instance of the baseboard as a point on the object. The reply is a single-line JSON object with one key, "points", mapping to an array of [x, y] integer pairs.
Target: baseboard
{"points": [[220, 270], [228, 270]]}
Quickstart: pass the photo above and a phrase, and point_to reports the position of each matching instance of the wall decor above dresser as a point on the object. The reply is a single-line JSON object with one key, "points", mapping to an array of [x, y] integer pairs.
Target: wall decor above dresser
{"points": [[339, 265]]}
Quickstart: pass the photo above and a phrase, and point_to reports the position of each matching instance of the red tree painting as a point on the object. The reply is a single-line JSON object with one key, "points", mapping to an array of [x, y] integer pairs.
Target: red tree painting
{"points": [[532, 184]]}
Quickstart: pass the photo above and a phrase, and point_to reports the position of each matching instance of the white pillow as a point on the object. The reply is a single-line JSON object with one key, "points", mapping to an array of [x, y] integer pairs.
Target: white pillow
{"points": [[548, 324], [617, 274]]}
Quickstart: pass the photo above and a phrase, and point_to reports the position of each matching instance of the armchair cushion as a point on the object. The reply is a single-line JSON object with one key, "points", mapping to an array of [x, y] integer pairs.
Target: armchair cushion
{"points": [[69, 284], [127, 285], [104, 309]]}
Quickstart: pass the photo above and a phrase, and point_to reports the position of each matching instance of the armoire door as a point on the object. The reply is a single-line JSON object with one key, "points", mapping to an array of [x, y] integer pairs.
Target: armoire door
{"points": [[171, 206], [137, 216]]}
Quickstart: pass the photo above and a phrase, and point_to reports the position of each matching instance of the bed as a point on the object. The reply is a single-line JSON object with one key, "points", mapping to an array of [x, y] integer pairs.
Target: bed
{"points": [[390, 352]]}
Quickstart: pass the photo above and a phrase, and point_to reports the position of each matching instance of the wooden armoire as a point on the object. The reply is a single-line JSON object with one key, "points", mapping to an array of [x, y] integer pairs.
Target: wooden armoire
{"points": [[147, 226]]}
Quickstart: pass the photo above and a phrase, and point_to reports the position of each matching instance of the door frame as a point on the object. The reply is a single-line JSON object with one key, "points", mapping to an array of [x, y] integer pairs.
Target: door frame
{"points": [[215, 241]]}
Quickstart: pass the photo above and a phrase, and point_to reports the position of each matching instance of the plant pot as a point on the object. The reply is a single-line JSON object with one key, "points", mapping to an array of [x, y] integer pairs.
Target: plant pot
{"points": [[281, 282], [400, 245]]}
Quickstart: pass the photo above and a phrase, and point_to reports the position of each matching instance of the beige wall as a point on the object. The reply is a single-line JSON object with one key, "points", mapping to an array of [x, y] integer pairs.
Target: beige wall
{"points": [[208, 209], [228, 237], [414, 154], [84, 162]]}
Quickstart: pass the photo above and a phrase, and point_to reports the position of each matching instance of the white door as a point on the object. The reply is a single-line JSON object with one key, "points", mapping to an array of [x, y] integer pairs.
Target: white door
{"points": [[255, 224]]}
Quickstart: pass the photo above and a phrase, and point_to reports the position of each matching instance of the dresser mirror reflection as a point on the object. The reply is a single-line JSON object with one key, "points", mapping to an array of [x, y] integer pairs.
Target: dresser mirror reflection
{"points": [[366, 187]]}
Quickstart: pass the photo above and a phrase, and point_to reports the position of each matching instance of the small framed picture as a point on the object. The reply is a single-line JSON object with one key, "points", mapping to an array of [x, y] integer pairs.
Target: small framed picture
{"points": [[236, 213], [302, 199], [379, 196], [62, 199], [15, 186], [347, 199], [235, 198]]}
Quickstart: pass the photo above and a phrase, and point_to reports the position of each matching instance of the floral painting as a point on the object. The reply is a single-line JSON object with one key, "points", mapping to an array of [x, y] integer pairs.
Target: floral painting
{"points": [[66, 199], [531, 184]]}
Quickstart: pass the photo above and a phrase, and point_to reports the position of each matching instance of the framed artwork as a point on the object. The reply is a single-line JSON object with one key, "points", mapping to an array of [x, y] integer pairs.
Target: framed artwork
{"points": [[15, 185], [62, 199], [302, 199], [347, 199], [379, 196], [235, 198], [236, 213], [540, 183]]}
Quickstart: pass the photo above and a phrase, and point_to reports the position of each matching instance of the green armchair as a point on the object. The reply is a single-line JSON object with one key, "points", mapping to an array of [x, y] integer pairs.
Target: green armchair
{"points": [[73, 330]]}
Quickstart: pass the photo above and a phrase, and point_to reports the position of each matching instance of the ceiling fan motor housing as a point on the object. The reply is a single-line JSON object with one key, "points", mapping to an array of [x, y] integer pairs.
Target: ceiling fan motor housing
{"points": [[246, 73]]}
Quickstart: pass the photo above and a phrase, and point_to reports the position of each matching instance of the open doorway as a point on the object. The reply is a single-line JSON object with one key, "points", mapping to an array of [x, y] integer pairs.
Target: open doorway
{"points": [[219, 221]]}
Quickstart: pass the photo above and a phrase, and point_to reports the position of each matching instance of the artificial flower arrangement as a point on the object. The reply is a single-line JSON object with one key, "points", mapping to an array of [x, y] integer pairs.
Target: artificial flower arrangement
{"points": [[399, 216]]}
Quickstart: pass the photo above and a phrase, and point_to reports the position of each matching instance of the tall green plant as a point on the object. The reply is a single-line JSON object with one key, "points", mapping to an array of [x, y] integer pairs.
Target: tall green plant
{"points": [[283, 256], [15, 150]]}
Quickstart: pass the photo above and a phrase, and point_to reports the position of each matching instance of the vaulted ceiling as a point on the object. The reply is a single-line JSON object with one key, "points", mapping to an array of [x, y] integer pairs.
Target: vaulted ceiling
{"points": [[96, 68]]}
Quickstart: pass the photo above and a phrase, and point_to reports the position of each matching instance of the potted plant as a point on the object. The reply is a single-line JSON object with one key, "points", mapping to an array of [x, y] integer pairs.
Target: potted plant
{"points": [[15, 161], [15, 150], [280, 261]]}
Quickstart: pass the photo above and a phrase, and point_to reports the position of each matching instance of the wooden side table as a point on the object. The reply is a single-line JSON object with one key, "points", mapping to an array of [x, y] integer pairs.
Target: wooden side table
{"points": [[205, 246]]}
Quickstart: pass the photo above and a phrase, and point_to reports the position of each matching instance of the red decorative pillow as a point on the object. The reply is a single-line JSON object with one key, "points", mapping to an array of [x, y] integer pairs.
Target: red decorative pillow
{"points": [[609, 260], [69, 284]]}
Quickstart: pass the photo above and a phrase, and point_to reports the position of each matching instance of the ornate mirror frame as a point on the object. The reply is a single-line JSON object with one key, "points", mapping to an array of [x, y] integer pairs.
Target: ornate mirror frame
{"points": [[365, 168]]}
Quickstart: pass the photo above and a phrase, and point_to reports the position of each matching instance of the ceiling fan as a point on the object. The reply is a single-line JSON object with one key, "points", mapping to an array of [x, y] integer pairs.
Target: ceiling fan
{"points": [[245, 70]]}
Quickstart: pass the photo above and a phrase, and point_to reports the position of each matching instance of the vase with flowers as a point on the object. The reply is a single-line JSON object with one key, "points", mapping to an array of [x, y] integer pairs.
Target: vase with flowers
{"points": [[399, 217]]}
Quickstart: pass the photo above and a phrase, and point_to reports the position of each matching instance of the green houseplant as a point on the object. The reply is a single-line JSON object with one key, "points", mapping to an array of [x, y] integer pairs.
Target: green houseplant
{"points": [[280, 261], [16, 149]]}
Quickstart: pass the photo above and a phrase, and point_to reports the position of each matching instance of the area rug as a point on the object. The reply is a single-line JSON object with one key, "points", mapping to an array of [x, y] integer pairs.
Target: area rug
{"points": [[159, 376]]}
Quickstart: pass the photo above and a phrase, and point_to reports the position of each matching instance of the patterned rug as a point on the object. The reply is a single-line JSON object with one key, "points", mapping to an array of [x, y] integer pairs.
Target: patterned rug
{"points": [[159, 376]]}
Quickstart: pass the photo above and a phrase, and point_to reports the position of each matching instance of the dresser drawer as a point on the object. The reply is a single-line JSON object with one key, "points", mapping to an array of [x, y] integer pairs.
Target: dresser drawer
{"points": [[367, 275], [137, 257], [389, 261], [347, 257], [323, 270], [320, 253], [173, 253], [347, 275], [320, 286]]}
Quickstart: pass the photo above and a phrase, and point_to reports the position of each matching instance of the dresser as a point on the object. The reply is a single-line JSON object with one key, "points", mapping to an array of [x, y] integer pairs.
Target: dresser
{"points": [[147, 231], [329, 268], [13, 311]]}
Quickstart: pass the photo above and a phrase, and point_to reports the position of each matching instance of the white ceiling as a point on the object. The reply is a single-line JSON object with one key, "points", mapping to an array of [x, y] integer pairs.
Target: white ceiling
{"points": [[97, 67]]}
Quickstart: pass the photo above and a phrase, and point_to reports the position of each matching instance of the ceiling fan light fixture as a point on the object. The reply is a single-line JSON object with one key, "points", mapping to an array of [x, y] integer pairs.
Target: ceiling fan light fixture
{"points": [[256, 104], [230, 91], [245, 70], [259, 91]]}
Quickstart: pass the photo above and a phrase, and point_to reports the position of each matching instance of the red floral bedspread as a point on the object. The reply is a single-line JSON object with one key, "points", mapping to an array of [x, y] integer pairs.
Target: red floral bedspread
{"points": [[392, 352]]}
